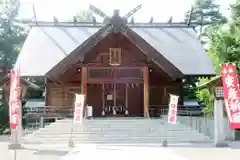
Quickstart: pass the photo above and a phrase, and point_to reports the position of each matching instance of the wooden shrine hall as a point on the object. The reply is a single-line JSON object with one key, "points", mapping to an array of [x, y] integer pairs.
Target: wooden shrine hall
{"points": [[123, 68]]}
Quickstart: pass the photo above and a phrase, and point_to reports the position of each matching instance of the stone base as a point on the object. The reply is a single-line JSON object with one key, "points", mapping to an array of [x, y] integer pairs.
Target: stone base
{"points": [[164, 143], [221, 144], [15, 146], [71, 144]]}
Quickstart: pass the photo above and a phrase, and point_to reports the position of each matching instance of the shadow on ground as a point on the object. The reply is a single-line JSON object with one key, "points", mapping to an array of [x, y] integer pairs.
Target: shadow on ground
{"points": [[189, 144]]}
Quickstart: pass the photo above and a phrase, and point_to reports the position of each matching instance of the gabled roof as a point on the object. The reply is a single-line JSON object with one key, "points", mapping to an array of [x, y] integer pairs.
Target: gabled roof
{"points": [[181, 47], [46, 46], [23, 81], [214, 82]]}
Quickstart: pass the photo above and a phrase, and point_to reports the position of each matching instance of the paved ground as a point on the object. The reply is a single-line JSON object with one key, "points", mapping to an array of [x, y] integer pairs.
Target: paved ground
{"points": [[140, 152]]}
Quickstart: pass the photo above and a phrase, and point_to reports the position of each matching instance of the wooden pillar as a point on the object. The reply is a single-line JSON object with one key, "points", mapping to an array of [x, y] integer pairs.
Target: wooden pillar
{"points": [[146, 90], [114, 94], [84, 82], [126, 98], [103, 99]]}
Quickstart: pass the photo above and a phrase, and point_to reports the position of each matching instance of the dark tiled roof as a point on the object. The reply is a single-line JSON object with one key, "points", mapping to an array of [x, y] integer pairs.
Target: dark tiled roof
{"points": [[47, 46], [181, 47]]}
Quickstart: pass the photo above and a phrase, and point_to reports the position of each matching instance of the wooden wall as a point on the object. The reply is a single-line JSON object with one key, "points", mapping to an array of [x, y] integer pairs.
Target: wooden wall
{"points": [[159, 95], [60, 96]]}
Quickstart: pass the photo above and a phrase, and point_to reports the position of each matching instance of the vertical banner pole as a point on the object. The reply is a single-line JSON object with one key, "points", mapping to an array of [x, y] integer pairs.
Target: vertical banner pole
{"points": [[15, 154], [172, 114], [70, 142], [78, 115], [14, 108], [231, 94]]}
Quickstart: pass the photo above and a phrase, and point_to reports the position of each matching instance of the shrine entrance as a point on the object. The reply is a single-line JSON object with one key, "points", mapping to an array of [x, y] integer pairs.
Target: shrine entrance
{"points": [[115, 100], [119, 91]]}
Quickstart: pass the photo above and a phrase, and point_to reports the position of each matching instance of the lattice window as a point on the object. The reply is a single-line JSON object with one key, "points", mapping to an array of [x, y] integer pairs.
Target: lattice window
{"points": [[115, 56]]}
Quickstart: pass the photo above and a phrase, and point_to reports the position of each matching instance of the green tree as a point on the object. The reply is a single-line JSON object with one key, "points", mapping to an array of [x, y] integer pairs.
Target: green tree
{"points": [[205, 13], [235, 14], [224, 47], [225, 41], [205, 97], [12, 36]]}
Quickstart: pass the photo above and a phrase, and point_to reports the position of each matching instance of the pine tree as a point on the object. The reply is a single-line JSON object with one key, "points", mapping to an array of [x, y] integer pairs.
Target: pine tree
{"points": [[235, 14], [205, 14]]}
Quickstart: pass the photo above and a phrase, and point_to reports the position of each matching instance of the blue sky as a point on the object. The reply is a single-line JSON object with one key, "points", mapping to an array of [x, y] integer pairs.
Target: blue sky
{"points": [[161, 10]]}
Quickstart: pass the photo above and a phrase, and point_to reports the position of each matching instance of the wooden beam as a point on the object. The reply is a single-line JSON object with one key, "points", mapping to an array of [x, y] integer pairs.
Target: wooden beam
{"points": [[146, 90]]}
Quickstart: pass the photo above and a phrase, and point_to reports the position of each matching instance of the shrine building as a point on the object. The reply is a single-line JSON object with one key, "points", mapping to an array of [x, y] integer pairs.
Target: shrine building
{"points": [[123, 69]]}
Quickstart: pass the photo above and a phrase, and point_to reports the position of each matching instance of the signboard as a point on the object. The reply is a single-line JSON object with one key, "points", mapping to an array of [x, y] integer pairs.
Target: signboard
{"points": [[231, 94], [172, 111], [78, 108], [14, 99], [109, 97]]}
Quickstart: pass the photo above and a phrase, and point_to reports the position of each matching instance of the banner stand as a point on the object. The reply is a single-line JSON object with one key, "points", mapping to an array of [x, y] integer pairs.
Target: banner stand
{"points": [[15, 110], [165, 142], [16, 134], [14, 140], [77, 116], [71, 142], [172, 115]]}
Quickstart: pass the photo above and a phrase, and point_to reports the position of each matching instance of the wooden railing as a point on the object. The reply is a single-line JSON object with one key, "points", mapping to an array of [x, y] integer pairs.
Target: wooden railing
{"points": [[53, 111]]}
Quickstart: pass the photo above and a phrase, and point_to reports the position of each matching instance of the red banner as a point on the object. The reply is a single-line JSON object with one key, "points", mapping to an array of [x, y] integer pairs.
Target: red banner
{"points": [[172, 112], [14, 99], [79, 108], [231, 94]]}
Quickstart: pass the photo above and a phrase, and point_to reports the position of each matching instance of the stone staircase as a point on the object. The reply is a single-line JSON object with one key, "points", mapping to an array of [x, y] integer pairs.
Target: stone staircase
{"points": [[114, 131]]}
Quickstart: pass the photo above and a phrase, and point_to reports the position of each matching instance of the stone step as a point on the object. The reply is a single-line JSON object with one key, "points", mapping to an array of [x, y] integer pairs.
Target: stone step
{"points": [[117, 126], [113, 135], [82, 136], [112, 131], [119, 141], [109, 131]]}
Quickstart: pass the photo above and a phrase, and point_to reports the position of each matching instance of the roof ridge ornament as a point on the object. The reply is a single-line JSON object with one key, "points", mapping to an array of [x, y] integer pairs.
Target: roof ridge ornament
{"points": [[115, 20], [116, 14]]}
